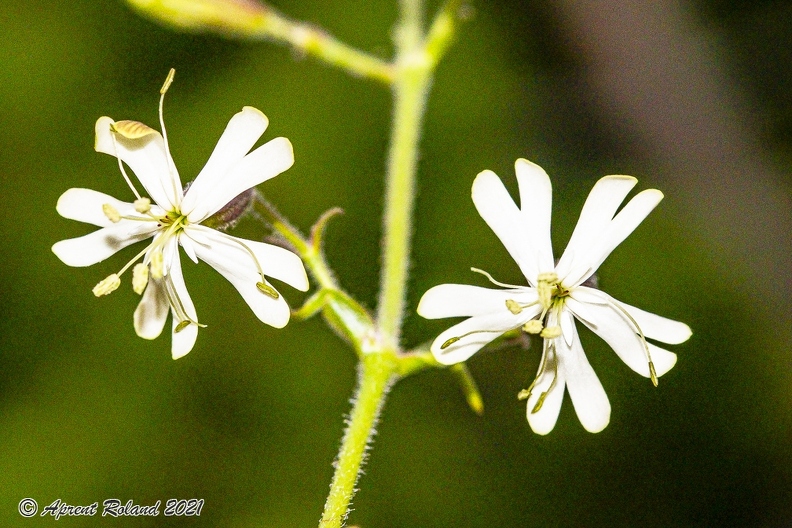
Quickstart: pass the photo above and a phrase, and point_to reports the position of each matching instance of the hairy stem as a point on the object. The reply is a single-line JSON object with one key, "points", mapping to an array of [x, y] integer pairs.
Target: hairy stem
{"points": [[375, 376]]}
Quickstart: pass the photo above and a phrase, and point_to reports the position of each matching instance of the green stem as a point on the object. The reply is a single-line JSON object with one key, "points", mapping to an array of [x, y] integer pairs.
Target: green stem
{"points": [[376, 374], [410, 92]]}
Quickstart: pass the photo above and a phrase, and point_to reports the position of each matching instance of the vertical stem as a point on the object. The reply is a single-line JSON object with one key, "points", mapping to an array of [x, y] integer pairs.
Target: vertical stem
{"points": [[375, 376], [410, 92]]}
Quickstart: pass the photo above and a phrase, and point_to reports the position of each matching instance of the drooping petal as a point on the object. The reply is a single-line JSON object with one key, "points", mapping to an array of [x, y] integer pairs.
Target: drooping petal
{"points": [[183, 339], [536, 200], [229, 257], [266, 162], [101, 244], [602, 202], [85, 205], [497, 208], [239, 136], [620, 334], [151, 311], [147, 157], [473, 334], [462, 300], [544, 419]]}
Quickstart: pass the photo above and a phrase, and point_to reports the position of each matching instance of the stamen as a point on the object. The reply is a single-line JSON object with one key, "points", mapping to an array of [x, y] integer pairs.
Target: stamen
{"points": [[111, 213], [549, 348], [178, 308], [267, 290], [142, 205], [262, 286], [450, 342], [156, 264], [513, 306], [165, 86], [652, 372], [493, 281], [550, 332], [534, 326], [121, 164], [550, 278], [107, 286], [140, 276]]}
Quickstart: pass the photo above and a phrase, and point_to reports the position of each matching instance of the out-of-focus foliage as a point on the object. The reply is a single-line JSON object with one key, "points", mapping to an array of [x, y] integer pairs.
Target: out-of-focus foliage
{"points": [[250, 420]]}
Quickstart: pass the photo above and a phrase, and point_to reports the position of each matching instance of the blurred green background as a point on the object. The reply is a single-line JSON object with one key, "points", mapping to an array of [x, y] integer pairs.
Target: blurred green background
{"points": [[692, 98]]}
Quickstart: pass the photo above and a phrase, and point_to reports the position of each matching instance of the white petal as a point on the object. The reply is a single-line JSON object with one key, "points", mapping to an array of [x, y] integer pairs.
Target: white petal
{"points": [[152, 311], [99, 245], [603, 200], [616, 330], [239, 136], [498, 209], [266, 162], [149, 160], [588, 397], [536, 199], [658, 327], [184, 340], [543, 421], [85, 205], [234, 263], [276, 262], [484, 328], [462, 300], [618, 229]]}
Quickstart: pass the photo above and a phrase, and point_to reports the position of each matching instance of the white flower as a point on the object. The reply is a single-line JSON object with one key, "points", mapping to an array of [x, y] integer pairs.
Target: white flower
{"points": [[173, 217], [556, 295]]}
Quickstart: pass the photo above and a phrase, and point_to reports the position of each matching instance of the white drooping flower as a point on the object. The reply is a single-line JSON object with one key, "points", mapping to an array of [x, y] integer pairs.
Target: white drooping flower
{"points": [[556, 295], [173, 218]]}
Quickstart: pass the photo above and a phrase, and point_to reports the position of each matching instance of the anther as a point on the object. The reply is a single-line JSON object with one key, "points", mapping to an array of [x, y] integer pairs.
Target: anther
{"points": [[653, 373], [111, 213], [156, 264], [140, 275], [449, 342], [168, 81], [524, 394], [513, 306], [550, 332], [181, 326], [142, 205], [107, 286], [539, 402], [267, 290], [534, 326]]}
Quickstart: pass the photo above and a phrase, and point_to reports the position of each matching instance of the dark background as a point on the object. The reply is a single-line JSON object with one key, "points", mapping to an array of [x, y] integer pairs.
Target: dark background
{"points": [[693, 98]]}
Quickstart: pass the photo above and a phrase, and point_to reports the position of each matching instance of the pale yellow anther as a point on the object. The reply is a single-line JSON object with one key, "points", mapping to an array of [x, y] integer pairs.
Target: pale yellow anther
{"points": [[107, 286], [142, 205], [140, 275], [513, 306], [156, 265], [524, 394], [111, 213], [534, 326], [550, 332], [181, 326]]}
